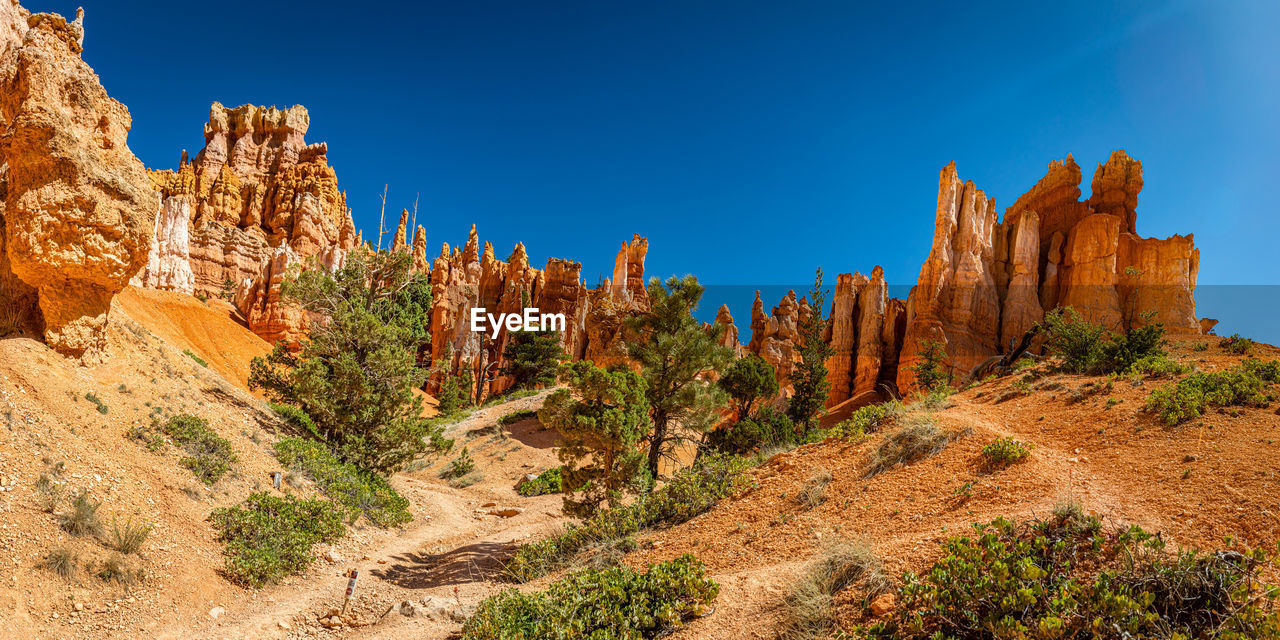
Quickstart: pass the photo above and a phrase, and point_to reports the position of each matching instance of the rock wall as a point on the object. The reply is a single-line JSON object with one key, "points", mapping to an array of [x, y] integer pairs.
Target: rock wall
{"points": [[79, 210]]}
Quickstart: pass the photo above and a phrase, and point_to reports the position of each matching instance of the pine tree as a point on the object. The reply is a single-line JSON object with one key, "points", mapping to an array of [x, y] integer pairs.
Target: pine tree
{"points": [[357, 374], [809, 378], [675, 353], [531, 358], [603, 417]]}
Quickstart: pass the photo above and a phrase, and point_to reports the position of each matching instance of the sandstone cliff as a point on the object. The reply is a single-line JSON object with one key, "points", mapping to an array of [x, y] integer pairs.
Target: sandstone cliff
{"points": [[78, 208]]}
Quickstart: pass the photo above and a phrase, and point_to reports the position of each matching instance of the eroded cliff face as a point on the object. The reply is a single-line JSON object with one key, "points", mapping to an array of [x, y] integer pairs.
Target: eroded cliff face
{"points": [[254, 202], [78, 207]]}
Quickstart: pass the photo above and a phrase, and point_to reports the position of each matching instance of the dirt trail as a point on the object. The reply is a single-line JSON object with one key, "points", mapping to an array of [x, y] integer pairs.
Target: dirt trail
{"points": [[452, 550]]}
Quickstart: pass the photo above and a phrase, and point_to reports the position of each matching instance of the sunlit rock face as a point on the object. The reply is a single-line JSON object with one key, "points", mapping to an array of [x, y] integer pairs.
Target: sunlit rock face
{"points": [[78, 208]]}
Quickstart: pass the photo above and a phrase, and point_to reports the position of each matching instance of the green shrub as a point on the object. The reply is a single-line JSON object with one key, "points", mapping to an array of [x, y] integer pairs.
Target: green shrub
{"points": [[297, 418], [1236, 343], [867, 420], [546, 482], [198, 360], [748, 380], [765, 430], [530, 358], [693, 490], [618, 603], [914, 441], [209, 455], [810, 606], [358, 492], [268, 537], [1200, 346], [102, 406], [1067, 578], [459, 466], [1005, 451], [1088, 348], [517, 416], [1157, 366], [83, 518], [1245, 385]]}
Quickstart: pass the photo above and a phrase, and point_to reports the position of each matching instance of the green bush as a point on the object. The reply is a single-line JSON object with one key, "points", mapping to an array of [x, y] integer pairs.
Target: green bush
{"points": [[83, 518], [1088, 348], [867, 420], [1005, 451], [546, 482], [767, 429], [297, 418], [357, 491], [1157, 366], [618, 603], [1236, 343], [1245, 385], [692, 491], [268, 537], [209, 455], [459, 466], [101, 406], [747, 380], [1067, 578]]}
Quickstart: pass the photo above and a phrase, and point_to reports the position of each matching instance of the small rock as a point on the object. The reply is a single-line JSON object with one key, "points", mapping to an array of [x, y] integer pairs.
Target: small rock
{"points": [[332, 556], [883, 604], [216, 612], [283, 625], [506, 512], [79, 606], [411, 609], [488, 504], [1073, 460]]}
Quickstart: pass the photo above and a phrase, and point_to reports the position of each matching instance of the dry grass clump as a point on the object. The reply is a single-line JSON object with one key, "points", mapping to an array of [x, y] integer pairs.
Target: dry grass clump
{"points": [[128, 537], [919, 438], [814, 492], [61, 561], [83, 518], [809, 608]]}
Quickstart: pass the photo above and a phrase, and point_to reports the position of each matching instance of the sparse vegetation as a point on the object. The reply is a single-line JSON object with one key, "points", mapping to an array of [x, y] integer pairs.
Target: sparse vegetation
{"points": [[617, 603], [83, 519], [116, 568], [1068, 578], [47, 493], [357, 491], [768, 429], [1236, 343], [459, 466], [297, 418], [693, 490], [1200, 346], [546, 482], [62, 561], [197, 359], [209, 455], [127, 537], [268, 537], [1157, 365], [102, 406], [1247, 384], [919, 438], [814, 491], [1005, 451], [810, 606], [867, 420]]}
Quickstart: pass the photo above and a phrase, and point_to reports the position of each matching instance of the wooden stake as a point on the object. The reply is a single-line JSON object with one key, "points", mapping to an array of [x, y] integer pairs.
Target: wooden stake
{"points": [[382, 216], [352, 576]]}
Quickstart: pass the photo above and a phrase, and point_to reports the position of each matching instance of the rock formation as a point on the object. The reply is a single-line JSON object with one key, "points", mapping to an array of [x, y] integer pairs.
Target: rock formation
{"points": [[255, 201], [78, 207]]}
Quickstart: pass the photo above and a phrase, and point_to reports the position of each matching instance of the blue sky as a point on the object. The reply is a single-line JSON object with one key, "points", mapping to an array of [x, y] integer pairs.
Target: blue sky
{"points": [[750, 141]]}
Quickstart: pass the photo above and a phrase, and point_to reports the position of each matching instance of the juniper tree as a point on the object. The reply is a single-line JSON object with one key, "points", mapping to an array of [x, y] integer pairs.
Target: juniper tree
{"points": [[356, 374], [675, 353], [603, 417], [748, 380]]}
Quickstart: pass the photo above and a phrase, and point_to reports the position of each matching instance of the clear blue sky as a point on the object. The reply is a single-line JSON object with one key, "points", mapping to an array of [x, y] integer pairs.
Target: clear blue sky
{"points": [[750, 141]]}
